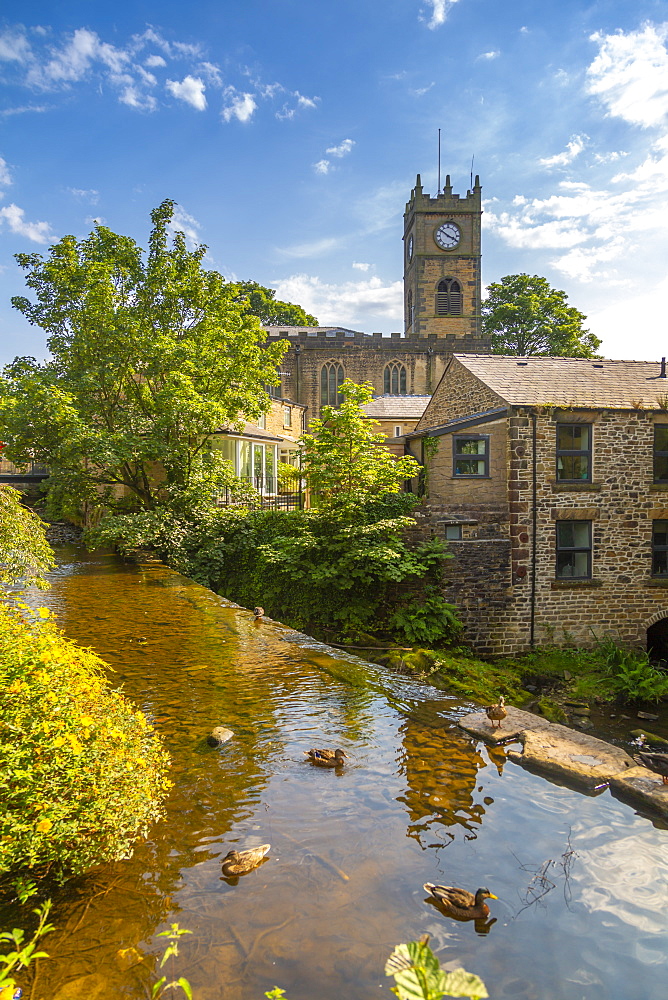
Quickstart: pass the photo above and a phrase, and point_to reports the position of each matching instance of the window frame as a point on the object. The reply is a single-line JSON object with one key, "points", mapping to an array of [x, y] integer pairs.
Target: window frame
{"points": [[574, 452], [395, 371], [658, 453], [656, 549], [326, 380], [287, 416], [464, 456], [574, 549], [449, 297]]}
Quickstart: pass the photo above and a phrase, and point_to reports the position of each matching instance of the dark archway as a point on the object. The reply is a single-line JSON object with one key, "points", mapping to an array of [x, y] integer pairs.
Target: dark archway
{"points": [[657, 640]]}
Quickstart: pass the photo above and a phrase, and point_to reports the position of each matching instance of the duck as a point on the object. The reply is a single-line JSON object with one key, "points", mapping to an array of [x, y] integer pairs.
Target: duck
{"points": [[258, 612], [497, 712], [460, 903], [657, 762], [240, 862], [326, 758]]}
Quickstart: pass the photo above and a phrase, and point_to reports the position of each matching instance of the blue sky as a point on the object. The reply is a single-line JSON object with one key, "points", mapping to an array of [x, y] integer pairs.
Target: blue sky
{"points": [[290, 134]]}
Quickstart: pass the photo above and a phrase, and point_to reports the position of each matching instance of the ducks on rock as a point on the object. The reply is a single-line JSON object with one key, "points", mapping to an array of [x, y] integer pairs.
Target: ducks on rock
{"points": [[460, 903], [326, 758], [657, 762], [497, 713], [241, 862]]}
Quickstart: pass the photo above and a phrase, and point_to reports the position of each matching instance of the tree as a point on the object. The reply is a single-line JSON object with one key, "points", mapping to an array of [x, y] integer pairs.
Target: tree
{"points": [[150, 355], [270, 311], [345, 458], [524, 315], [25, 554]]}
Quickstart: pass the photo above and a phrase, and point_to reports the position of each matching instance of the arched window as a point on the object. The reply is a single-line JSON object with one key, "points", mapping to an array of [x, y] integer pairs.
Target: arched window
{"points": [[331, 377], [409, 309], [449, 298], [395, 379]]}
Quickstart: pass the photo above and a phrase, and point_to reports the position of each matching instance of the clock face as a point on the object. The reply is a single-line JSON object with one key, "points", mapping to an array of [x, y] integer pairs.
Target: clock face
{"points": [[447, 236], [410, 247]]}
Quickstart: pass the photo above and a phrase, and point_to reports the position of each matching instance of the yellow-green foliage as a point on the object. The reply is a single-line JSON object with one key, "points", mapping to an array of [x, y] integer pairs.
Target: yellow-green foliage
{"points": [[82, 773]]}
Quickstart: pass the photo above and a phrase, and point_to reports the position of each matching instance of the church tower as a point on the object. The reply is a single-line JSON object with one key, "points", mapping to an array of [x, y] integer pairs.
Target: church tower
{"points": [[442, 262]]}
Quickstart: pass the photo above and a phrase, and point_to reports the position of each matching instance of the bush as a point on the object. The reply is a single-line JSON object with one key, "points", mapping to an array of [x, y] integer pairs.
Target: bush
{"points": [[82, 773]]}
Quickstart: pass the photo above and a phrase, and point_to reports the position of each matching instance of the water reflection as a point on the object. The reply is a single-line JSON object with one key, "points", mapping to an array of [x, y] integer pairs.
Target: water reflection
{"points": [[351, 848]]}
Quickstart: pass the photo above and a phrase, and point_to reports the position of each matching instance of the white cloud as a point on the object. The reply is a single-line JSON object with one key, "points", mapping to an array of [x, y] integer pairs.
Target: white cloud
{"points": [[191, 90], [240, 106], [342, 149], [38, 232], [23, 109], [421, 91], [630, 74], [343, 303], [306, 102], [91, 196], [573, 149], [322, 167], [181, 222], [314, 249], [439, 12], [359, 266], [493, 54], [211, 73], [5, 176], [14, 46], [154, 62]]}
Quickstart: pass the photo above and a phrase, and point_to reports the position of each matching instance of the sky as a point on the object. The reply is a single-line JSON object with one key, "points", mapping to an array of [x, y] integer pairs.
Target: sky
{"points": [[290, 134]]}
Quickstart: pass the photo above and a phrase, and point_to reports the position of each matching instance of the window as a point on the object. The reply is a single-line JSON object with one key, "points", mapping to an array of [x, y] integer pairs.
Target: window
{"points": [[573, 550], [453, 532], [659, 548], [274, 391], [398, 431], [395, 379], [449, 298], [409, 309], [574, 452], [262, 421], [661, 453], [331, 377], [470, 455], [287, 416]]}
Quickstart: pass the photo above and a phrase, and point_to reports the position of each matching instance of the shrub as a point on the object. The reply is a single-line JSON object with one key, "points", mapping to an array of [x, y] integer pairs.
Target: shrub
{"points": [[82, 773]]}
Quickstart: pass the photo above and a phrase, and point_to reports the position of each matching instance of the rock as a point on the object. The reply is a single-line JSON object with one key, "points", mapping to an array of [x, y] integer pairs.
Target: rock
{"points": [[574, 759], [648, 715], [582, 723], [516, 722], [641, 787], [651, 737], [580, 710], [218, 736]]}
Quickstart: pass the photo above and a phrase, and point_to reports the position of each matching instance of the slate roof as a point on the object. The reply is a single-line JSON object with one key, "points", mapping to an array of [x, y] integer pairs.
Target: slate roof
{"points": [[396, 407], [578, 382]]}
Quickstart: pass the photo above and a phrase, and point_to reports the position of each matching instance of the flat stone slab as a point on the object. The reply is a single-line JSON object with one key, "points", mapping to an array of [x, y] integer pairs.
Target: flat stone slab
{"points": [[515, 723], [571, 757], [641, 787]]}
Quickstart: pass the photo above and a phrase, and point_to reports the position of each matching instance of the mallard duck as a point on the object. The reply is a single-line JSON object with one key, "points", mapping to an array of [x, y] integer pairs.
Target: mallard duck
{"points": [[326, 758], [258, 612], [497, 712], [657, 762], [240, 862], [460, 903]]}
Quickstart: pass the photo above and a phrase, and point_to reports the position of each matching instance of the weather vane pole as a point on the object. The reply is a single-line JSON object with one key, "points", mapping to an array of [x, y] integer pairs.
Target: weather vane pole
{"points": [[438, 191]]}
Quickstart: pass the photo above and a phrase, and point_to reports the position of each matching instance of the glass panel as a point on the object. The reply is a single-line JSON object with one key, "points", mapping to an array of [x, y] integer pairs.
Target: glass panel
{"points": [[661, 468], [226, 446], [453, 531], [338, 398], [258, 454], [573, 467], [323, 384], [331, 395], [472, 446], [269, 462], [469, 467], [660, 533], [565, 534], [573, 437], [402, 381], [661, 437], [387, 382], [660, 564], [244, 459], [580, 534], [395, 381]]}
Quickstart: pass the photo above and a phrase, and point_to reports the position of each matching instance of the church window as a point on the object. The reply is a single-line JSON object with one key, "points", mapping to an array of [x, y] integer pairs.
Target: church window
{"points": [[331, 377], [409, 309], [449, 298], [395, 379]]}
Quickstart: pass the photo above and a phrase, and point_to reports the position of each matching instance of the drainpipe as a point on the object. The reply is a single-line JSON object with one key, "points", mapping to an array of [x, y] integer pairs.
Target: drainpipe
{"points": [[534, 527]]}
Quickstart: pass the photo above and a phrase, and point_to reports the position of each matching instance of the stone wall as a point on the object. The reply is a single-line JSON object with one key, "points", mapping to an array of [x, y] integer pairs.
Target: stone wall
{"points": [[461, 394]]}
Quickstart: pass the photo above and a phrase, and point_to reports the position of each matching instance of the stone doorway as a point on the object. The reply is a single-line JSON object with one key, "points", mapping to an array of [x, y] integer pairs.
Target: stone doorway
{"points": [[657, 641]]}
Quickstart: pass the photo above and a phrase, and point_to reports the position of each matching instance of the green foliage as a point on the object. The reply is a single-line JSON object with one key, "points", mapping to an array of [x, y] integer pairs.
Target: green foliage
{"points": [[22, 951], [524, 315], [345, 460], [171, 951], [82, 774], [418, 975], [633, 675], [150, 355], [261, 302], [345, 571], [25, 554]]}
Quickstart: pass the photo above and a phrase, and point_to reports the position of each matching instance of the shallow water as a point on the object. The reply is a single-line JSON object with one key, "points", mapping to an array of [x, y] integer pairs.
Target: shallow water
{"points": [[419, 801]]}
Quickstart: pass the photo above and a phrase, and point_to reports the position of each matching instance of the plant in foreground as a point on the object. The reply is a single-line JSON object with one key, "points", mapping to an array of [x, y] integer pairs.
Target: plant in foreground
{"points": [[171, 951], [22, 952]]}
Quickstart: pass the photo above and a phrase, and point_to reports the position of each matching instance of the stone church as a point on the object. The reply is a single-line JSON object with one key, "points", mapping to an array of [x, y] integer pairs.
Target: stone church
{"points": [[442, 299]]}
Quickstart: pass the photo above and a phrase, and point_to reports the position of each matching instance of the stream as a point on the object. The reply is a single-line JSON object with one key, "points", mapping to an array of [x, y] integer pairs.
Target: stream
{"points": [[418, 801]]}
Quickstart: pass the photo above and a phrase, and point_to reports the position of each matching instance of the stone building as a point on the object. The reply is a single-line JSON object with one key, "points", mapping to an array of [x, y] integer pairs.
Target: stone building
{"points": [[442, 298], [396, 416], [550, 481]]}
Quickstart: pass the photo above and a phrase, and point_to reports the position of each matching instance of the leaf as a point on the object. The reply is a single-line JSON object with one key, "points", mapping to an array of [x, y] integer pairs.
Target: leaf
{"points": [[460, 983], [418, 975], [185, 986]]}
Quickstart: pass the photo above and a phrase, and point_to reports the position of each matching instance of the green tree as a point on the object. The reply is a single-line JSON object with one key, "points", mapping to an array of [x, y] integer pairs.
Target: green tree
{"points": [[524, 315], [150, 354], [270, 310], [345, 459], [25, 554]]}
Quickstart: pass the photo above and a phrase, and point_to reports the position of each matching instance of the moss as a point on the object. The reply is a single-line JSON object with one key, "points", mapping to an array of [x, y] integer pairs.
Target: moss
{"points": [[552, 711]]}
